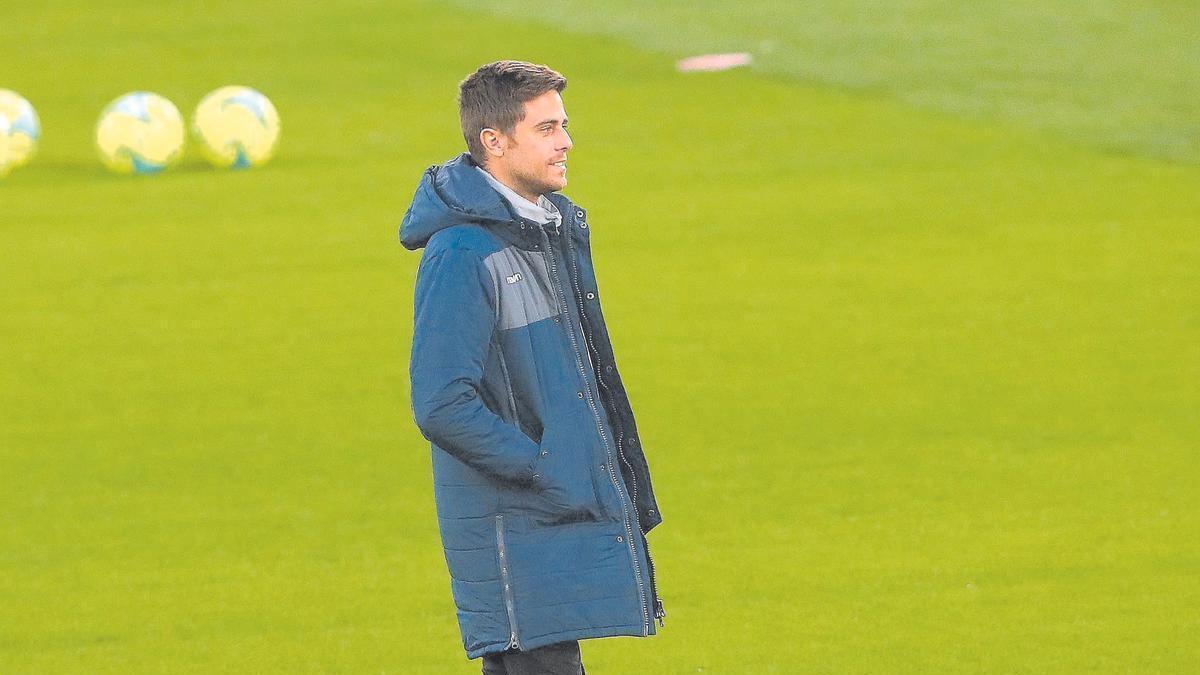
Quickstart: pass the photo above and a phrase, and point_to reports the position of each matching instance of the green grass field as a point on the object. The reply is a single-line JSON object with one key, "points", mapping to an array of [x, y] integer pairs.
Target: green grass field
{"points": [[919, 387]]}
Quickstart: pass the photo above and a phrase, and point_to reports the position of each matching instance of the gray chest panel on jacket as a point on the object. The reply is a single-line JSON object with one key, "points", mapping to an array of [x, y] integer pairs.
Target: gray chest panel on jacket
{"points": [[523, 288]]}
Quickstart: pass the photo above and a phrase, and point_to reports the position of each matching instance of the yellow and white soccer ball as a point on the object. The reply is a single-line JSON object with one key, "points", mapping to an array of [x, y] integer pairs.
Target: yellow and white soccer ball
{"points": [[140, 132], [5, 164], [23, 131], [236, 127]]}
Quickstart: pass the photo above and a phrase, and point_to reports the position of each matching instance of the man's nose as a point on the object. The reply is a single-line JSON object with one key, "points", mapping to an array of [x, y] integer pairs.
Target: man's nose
{"points": [[567, 143]]}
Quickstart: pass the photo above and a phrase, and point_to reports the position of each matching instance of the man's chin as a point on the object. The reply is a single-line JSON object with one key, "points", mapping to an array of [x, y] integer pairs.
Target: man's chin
{"points": [[549, 184]]}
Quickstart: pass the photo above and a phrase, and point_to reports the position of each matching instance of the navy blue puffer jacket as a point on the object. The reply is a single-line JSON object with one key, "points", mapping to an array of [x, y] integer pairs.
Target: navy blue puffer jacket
{"points": [[542, 489]]}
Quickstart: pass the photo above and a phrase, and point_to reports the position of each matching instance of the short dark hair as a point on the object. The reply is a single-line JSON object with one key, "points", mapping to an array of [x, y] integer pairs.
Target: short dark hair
{"points": [[494, 97]]}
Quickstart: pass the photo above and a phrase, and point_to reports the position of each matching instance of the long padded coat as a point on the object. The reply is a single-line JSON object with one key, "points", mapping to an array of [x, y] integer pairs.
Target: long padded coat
{"points": [[543, 493]]}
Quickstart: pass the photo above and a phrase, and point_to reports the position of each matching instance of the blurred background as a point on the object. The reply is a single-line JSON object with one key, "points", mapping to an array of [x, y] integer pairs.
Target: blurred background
{"points": [[908, 310]]}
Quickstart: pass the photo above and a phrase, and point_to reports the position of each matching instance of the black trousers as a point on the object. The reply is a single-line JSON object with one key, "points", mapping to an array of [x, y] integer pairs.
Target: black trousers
{"points": [[561, 658]]}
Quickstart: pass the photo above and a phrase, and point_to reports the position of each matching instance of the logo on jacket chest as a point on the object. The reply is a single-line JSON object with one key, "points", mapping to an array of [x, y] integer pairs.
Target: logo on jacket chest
{"points": [[527, 295]]}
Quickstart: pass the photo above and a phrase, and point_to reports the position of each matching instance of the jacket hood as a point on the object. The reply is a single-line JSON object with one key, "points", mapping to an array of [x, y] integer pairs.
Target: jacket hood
{"points": [[450, 194]]}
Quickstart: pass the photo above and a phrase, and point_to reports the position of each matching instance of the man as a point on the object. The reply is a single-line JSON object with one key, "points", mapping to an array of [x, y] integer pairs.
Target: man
{"points": [[543, 493]]}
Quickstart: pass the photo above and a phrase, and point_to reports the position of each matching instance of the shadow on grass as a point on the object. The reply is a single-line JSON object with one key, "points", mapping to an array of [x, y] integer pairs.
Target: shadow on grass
{"points": [[72, 172]]}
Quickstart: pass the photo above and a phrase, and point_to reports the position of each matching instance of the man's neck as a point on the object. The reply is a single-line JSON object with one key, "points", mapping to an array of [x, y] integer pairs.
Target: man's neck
{"points": [[510, 184], [540, 211]]}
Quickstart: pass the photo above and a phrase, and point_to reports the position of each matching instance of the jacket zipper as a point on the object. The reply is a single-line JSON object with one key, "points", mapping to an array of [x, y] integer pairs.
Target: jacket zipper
{"points": [[659, 612], [513, 643], [637, 569]]}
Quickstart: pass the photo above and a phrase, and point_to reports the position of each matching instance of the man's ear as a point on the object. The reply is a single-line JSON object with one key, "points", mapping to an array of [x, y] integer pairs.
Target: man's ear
{"points": [[494, 142]]}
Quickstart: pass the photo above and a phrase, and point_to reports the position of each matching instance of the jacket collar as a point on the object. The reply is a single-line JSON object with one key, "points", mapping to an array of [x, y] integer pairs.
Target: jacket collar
{"points": [[454, 192]]}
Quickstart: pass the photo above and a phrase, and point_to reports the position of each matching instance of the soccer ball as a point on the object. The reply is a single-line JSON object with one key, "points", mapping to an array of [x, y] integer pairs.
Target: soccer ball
{"points": [[236, 127], [140, 132], [5, 164], [23, 128]]}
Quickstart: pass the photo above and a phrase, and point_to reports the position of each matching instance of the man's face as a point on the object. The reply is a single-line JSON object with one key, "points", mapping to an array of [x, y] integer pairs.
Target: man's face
{"points": [[534, 159]]}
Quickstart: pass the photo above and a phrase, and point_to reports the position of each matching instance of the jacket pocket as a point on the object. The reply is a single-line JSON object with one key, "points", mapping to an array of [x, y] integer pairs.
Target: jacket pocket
{"points": [[565, 482]]}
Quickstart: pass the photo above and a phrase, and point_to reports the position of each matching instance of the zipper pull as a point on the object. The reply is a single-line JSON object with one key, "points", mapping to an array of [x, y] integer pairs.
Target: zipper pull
{"points": [[512, 640], [659, 612]]}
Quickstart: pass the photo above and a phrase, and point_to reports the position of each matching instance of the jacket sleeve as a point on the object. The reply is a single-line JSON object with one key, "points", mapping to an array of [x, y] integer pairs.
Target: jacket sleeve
{"points": [[454, 316]]}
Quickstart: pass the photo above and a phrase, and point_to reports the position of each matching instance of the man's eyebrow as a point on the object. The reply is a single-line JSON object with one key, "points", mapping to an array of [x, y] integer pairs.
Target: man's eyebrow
{"points": [[549, 120]]}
